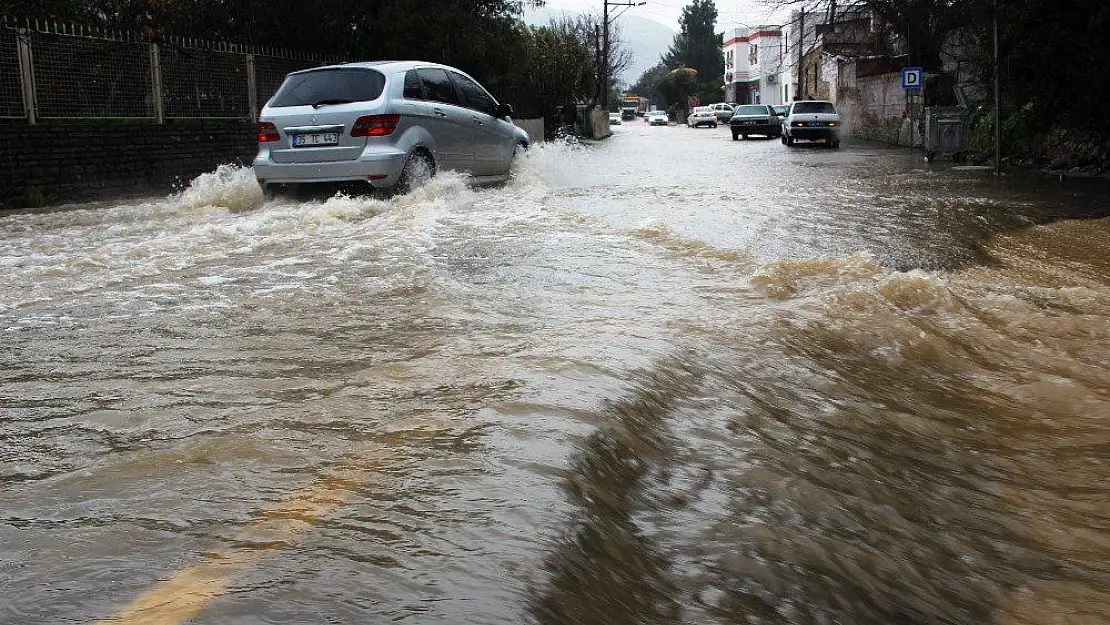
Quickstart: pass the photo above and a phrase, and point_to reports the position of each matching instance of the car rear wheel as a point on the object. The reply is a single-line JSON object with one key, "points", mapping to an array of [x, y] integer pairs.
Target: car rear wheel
{"points": [[834, 144], [789, 140], [419, 169]]}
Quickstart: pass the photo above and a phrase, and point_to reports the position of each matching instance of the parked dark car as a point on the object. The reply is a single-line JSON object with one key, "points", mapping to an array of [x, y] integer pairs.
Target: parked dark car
{"points": [[755, 119]]}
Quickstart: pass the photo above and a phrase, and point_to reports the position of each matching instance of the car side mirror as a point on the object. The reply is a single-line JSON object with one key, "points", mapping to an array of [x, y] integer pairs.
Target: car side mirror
{"points": [[503, 110]]}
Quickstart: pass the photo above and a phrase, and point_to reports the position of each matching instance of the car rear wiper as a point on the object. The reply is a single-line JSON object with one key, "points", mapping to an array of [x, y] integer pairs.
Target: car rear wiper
{"points": [[317, 105]]}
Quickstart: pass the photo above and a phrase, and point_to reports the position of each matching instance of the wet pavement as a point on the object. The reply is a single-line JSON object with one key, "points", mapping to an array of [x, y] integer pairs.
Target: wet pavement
{"points": [[666, 378]]}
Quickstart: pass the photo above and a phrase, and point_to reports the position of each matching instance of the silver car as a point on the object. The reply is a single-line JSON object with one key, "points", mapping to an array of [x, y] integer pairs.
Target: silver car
{"points": [[391, 124], [702, 116]]}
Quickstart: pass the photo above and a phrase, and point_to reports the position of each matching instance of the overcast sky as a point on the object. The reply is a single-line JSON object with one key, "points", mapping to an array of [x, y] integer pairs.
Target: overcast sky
{"points": [[730, 13]]}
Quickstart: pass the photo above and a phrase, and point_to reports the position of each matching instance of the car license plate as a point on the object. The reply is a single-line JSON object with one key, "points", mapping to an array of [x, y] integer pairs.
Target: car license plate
{"points": [[315, 139]]}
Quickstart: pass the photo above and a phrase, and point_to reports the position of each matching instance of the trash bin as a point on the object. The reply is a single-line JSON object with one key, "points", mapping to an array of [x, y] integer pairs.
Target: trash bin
{"points": [[946, 130]]}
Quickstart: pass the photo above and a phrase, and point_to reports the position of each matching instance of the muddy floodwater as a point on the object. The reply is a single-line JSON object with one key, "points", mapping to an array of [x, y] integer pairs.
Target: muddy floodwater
{"points": [[669, 378]]}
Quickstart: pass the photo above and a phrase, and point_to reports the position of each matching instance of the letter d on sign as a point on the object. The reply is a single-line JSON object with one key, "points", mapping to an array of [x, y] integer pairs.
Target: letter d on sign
{"points": [[911, 78]]}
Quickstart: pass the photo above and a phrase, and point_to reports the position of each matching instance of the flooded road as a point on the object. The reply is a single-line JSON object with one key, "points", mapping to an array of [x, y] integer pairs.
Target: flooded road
{"points": [[670, 378]]}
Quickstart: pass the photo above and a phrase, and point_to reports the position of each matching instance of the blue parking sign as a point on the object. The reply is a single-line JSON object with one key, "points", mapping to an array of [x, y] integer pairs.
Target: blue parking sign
{"points": [[911, 78]]}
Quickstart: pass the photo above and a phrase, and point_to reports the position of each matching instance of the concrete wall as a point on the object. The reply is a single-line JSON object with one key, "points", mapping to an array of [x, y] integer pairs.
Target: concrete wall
{"points": [[599, 123], [879, 110], [62, 161], [77, 160], [534, 128], [874, 107]]}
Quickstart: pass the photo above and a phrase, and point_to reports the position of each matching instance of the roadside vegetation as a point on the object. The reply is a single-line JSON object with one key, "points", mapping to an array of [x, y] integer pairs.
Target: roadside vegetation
{"points": [[541, 70], [692, 67]]}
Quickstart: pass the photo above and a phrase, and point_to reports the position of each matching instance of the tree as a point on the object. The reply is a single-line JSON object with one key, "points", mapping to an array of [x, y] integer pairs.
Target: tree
{"points": [[557, 71], [922, 25], [648, 83], [1065, 77], [697, 45], [485, 38]]}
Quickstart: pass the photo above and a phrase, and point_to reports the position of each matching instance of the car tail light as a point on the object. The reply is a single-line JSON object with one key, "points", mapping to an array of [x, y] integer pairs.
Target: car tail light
{"points": [[375, 125], [267, 132]]}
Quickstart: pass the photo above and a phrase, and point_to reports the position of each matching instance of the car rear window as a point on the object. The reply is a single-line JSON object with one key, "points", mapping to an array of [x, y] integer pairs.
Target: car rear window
{"points": [[814, 107], [751, 109], [329, 86]]}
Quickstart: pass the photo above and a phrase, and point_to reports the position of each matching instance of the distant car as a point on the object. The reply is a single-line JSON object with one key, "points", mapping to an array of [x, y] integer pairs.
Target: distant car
{"points": [[755, 119], [615, 119], [656, 118], [702, 116], [812, 120], [389, 124], [723, 112], [780, 110]]}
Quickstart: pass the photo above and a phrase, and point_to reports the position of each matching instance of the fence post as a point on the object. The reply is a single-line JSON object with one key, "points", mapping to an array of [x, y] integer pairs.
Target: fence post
{"points": [[27, 78], [252, 88], [156, 84]]}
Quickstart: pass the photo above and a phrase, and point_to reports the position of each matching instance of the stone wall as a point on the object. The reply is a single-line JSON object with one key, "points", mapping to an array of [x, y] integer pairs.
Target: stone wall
{"points": [[875, 108], [75, 160], [534, 128]]}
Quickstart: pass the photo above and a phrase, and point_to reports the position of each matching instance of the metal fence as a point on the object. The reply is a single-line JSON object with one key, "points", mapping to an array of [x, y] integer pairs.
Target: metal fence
{"points": [[50, 70]]}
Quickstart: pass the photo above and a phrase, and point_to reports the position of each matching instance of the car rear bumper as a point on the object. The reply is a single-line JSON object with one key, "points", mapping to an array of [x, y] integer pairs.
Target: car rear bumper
{"points": [[756, 129], [380, 169], [815, 134]]}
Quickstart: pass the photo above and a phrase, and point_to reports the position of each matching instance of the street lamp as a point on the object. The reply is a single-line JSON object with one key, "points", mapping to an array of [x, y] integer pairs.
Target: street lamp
{"points": [[605, 45]]}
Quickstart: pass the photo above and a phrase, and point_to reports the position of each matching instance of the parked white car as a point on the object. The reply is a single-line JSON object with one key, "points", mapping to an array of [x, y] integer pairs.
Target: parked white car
{"points": [[812, 120], [702, 116], [615, 119], [723, 111]]}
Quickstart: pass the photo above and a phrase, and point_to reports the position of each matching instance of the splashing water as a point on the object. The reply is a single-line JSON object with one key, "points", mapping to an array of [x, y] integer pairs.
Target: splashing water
{"points": [[230, 187]]}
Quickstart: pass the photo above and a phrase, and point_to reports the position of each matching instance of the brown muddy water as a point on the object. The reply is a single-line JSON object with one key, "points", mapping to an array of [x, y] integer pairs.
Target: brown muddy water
{"points": [[666, 379]]}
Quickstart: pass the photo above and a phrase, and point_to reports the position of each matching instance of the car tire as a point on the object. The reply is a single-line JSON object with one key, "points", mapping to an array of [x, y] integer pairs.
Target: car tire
{"points": [[745, 137], [783, 139], [419, 169], [789, 140], [735, 136], [835, 144], [714, 125], [268, 192]]}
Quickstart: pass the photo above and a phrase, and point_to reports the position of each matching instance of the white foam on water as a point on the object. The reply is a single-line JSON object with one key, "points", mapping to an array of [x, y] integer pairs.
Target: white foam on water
{"points": [[230, 187]]}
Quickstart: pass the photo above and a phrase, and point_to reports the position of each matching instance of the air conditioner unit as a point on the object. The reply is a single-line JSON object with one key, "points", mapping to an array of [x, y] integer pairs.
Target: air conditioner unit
{"points": [[772, 79]]}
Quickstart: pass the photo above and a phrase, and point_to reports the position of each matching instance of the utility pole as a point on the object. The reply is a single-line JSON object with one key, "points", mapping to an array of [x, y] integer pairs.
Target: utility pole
{"points": [[604, 73], [600, 67], [997, 101], [605, 57], [801, 48]]}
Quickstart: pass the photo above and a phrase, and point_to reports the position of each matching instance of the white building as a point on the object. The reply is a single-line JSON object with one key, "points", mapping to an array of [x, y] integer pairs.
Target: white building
{"points": [[754, 69]]}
